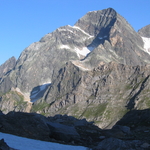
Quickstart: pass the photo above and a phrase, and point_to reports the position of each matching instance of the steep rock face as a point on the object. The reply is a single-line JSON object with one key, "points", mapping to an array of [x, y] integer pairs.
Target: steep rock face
{"points": [[115, 40], [7, 66], [102, 95]]}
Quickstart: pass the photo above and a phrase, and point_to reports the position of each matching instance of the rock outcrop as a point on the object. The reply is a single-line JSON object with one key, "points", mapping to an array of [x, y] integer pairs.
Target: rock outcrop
{"points": [[7, 66], [4, 146]]}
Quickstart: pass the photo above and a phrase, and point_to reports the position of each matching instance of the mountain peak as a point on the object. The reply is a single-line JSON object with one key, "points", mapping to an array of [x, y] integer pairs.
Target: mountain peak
{"points": [[94, 21], [110, 10]]}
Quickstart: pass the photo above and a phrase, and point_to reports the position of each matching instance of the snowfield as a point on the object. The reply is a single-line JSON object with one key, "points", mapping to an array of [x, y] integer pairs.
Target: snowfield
{"points": [[146, 44], [21, 143]]}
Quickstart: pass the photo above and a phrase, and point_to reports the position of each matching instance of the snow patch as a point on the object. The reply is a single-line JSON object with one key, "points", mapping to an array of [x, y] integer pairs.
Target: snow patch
{"points": [[64, 47], [21, 143], [59, 29], [38, 92], [84, 51], [82, 31], [146, 44]]}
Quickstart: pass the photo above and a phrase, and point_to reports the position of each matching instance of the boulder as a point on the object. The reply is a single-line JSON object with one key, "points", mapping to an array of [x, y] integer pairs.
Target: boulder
{"points": [[63, 132], [3, 145], [117, 144], [124, 129], [28, 125]]}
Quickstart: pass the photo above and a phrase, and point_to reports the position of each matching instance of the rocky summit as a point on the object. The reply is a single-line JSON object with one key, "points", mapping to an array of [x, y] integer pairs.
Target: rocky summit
{"points": [[98, 70]]}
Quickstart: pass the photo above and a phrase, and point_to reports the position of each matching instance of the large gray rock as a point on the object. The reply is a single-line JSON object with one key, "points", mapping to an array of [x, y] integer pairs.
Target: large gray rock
{"points": [[117, 144], [3, 145], [63, 132], [26, 125], [124, 129]]}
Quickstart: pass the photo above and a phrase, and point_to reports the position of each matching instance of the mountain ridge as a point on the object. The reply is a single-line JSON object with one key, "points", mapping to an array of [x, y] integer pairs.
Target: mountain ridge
{"points": [[81, 66]]}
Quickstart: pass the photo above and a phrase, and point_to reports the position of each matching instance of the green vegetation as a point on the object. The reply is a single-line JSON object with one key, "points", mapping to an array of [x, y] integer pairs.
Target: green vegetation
{"points": [[122, 112], [128, 87], [39, 106], [147, 99], [92, 97], [1, 94], [16, 100], [93, 111], [21, 104], [108, 114], [76, 111]]}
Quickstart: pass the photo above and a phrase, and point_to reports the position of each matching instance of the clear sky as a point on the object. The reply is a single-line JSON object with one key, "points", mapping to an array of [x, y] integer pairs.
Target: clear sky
{"points": [[23, 22]]}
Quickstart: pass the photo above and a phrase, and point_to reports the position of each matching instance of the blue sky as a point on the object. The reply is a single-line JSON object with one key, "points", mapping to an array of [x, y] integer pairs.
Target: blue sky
{"points": [[26, 21]]}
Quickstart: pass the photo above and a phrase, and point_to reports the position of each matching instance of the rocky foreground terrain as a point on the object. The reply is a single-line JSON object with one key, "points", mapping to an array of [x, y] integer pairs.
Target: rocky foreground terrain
{"points": [[91, 79], [132, 132]]}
